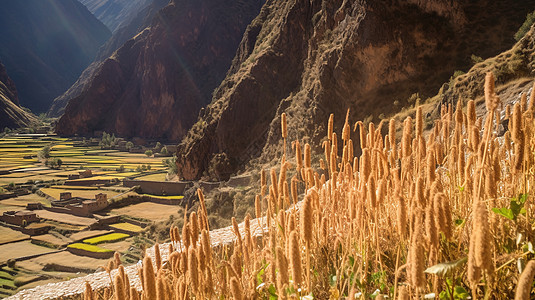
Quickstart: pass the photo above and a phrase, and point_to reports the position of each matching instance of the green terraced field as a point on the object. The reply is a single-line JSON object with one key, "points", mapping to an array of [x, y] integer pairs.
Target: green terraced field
{"points": [[127, 227], [112, 237], [87, 247]]}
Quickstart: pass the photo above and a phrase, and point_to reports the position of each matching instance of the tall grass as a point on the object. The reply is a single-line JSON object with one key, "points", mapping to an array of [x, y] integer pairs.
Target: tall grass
{"points": [[449, 212]]}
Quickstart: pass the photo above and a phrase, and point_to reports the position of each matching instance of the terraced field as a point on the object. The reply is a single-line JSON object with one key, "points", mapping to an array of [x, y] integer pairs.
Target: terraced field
{"points": [[21, 169]]}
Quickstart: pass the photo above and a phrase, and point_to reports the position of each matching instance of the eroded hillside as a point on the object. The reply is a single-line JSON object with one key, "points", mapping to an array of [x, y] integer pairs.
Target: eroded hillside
{"points": [[313, 58]]}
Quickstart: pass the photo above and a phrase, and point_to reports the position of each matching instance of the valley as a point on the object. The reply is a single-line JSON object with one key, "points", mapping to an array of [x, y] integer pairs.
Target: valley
{"points": [[266, 149]]}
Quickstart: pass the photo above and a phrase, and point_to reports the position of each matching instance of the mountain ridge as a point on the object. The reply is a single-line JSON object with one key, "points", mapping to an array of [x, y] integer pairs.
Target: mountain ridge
{"points": [[11, 114], [155, 84], [46, 45]]}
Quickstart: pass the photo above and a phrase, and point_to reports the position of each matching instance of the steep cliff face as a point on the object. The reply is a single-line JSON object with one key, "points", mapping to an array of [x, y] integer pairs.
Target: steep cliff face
{"points": [[155, 84], [313, 58], [119, 37], [45, 45], [11, 115], [115, 13]]}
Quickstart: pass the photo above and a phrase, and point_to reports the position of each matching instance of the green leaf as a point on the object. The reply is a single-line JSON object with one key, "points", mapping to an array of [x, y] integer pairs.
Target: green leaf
{"points": [[446, 268], [272, 292], [522, 198], [460, 293], [505, 212], [351, 260], [515, 208], [260, 274]]}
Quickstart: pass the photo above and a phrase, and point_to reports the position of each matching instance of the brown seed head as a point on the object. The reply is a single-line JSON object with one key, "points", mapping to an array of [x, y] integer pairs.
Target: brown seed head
{"points": [[193, 272], [236, 289], [308, 162], [149, 278], [306, 220], [282, 266], [330, 127], [490, 95], [419, 122], [295, 258], [525, 281], [284, 128]]}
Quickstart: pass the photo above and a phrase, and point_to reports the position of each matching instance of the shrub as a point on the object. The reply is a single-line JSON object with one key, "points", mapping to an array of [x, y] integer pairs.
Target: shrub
{"points": [[148, 153], [530, 19]]}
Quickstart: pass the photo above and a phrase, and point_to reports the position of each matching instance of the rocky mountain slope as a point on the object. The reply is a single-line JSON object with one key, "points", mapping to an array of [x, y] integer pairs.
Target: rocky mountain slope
{"points": [[313, 58], [119, 37], [156, 83], [11, 115], [115, 13], [46, 45]]}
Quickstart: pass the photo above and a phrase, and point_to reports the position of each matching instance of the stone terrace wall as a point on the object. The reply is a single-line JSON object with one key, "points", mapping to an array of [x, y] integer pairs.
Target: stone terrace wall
{"points": [[158, 187]]}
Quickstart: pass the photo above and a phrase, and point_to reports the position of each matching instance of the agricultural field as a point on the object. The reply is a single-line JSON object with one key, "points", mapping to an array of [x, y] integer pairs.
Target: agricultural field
{"points": [[108, 238], [127, 227], [87, 247], [22, 167], [147, 210], [21, 249], [8, 235], [65, 218], [83, 192]]}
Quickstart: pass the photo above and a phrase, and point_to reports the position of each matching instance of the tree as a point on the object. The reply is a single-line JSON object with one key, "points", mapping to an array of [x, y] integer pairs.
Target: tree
{"points": [[44, 153], [59, 162], [148, 153], [164, 151], [170, 163]]}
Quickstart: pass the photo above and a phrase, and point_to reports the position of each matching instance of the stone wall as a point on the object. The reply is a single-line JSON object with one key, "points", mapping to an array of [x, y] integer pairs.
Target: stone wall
{"points": [[158, 187]]}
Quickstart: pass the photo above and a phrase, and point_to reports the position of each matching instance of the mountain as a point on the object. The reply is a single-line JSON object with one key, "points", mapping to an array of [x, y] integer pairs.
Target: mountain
{"points": [[11, 115], [313, 58], [156, 83], [115, 13], [46, 44], [119, 37]]}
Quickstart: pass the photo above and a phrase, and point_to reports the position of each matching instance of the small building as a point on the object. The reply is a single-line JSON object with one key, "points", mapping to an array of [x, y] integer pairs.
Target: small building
{"points": [[20, 218], [80, 175], [81, 206], [36, 229], [65, 196], [34, 206], [86, 174]]}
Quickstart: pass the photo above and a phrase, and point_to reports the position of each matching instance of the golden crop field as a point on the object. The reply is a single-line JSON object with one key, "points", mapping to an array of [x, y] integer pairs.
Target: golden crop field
{"points": [[446, 214]]}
